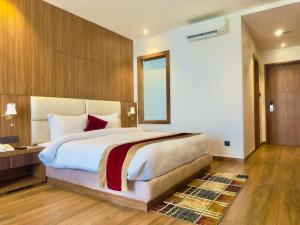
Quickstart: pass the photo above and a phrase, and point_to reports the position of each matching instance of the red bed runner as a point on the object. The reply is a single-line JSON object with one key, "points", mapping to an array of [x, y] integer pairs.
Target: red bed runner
{"points": [[117, 156]]}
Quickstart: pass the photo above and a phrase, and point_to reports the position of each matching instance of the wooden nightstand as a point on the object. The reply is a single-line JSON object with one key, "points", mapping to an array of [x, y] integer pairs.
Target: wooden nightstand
{"points": [[21, 168]]}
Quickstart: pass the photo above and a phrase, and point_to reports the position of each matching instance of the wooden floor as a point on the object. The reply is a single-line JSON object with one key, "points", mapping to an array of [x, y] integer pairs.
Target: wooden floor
{"points": [[271, 197]]}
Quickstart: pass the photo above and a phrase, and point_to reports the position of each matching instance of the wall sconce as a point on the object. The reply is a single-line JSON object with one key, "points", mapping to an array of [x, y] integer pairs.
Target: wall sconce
{"points": [[10, 112], [131, 112]]}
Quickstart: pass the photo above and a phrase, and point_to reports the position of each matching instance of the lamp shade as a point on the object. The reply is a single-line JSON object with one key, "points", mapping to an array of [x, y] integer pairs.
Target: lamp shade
{"points": [[132, 110], [11, 109]]}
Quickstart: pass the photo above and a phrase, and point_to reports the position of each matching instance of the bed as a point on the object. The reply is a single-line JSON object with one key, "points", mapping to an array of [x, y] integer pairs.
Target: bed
{"points": [[156, 168]]}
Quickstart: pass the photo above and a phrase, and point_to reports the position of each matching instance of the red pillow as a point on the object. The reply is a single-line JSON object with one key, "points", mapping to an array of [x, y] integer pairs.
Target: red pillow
{"points": [[95, 123]]}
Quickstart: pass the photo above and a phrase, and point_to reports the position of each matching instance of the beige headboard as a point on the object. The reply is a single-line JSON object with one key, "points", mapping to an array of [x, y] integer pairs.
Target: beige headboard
{"points": [[42, 106]]}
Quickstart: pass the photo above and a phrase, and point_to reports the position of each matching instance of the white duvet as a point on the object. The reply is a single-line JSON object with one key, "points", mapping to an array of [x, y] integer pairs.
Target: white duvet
{"points": [[83, 151]]}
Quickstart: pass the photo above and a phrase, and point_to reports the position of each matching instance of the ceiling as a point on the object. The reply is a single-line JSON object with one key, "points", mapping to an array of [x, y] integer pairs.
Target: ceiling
{"points": [[262, 26], [130, 17]]}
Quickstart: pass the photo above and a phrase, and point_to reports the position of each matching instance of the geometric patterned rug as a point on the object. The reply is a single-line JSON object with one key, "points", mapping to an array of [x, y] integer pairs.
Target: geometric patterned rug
{"points": [[205, 200]]}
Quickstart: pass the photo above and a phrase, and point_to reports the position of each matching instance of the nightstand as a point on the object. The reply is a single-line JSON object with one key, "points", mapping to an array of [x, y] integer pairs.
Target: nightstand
{"points": [[21, 168]]}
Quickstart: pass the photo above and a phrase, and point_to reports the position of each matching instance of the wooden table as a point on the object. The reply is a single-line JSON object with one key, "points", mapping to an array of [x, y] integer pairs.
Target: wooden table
{"points": [[21, 168]]}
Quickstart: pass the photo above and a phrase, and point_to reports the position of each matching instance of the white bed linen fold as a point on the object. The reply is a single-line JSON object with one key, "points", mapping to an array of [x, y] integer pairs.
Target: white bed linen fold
{"points": [[83, 151]]}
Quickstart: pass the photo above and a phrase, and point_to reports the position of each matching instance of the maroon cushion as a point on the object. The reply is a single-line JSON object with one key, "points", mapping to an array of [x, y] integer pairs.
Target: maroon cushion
{"points": [[95, 123]]}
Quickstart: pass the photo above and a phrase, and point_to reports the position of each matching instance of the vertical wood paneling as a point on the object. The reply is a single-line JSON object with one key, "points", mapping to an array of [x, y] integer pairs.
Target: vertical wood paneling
{"points": [[22, 122], [65, 32], [46, 51], [125, 119], [44, 76], [50, 52], [3, 48]]}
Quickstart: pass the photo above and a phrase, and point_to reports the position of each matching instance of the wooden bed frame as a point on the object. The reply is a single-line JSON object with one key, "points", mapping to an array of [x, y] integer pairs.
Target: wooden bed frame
{"points": [[121, 200]]}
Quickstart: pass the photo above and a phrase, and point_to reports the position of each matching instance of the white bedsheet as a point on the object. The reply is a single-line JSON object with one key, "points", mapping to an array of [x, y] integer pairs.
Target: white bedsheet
{"points": [[84, 150]]}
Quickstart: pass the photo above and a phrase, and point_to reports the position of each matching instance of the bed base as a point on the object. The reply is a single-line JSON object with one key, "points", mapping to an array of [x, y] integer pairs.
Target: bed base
{"points": [[121, 200]]}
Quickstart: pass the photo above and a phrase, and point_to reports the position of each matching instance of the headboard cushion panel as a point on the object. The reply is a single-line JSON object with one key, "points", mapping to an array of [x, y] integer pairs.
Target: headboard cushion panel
{"points": [[99, 107], [42, 106], [40, 131]]}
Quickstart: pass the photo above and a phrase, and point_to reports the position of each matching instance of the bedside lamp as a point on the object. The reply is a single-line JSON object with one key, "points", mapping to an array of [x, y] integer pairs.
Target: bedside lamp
{"points": [[10, 112], [131, 112]]}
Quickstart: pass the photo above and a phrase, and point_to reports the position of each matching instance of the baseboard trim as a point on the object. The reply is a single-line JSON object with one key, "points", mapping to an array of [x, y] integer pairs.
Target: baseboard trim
{"points": [[249, 155], [228, 159]]}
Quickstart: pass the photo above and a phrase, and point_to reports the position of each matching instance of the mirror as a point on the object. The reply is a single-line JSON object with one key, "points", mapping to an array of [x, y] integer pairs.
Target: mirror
{"points": [[154, 88]]}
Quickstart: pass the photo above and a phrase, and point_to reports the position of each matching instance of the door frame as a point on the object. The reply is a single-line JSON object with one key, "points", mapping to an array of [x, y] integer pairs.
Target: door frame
{"points": [[256, 88], [267, 92]]}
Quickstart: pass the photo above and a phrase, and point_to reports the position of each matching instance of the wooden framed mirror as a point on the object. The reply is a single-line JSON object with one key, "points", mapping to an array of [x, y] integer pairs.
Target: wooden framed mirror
{"points": [[154, 88]]}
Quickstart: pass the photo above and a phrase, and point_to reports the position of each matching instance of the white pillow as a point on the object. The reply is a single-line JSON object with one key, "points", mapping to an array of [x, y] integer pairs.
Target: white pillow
{"points": [[112, 119], [64, 125]]}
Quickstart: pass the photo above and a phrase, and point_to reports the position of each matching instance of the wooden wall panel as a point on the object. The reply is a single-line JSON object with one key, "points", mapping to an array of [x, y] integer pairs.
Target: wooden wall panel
{"points": [[46, 51], [43, 77], [77, 77], [37, 39], [127, 121], [22, 122]]}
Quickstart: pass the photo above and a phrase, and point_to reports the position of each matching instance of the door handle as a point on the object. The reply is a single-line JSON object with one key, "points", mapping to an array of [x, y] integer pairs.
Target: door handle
{"points": [[272, 107]]}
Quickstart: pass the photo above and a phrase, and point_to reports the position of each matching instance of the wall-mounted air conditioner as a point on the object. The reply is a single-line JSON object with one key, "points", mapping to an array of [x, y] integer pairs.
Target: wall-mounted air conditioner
{"points": [[207, 29]]}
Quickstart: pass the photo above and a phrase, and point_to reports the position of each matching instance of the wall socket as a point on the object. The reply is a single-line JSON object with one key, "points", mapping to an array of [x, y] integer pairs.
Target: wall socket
{"points": [[9, 139], [227, 143]]}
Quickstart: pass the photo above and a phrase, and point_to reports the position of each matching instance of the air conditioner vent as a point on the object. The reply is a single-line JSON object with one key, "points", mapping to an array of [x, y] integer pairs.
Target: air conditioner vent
{"points": [[207, 29]]}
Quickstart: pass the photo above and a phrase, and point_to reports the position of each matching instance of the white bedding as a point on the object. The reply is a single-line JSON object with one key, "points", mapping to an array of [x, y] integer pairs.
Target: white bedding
{"points": [[83, 151]]}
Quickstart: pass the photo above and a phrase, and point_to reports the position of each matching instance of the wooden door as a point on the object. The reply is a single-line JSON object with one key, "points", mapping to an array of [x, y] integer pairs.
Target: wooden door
{"points": [[283, 92], [256, 103]]}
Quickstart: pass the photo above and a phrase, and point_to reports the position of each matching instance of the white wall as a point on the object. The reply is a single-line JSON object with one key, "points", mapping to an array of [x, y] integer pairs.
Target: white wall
{"points": [[248, 49], [206, 84]]}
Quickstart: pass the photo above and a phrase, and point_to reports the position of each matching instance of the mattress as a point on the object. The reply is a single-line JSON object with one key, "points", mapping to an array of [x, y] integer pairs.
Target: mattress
{"points": [[144, 191], [83, 151]]}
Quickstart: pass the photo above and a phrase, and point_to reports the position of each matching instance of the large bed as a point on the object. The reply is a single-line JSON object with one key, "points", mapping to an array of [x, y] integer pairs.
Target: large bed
{"points": [[153, 172]]}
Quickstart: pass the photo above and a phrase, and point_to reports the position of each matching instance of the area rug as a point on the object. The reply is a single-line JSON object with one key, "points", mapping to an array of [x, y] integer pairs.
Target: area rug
{"points": [[205, 200]]}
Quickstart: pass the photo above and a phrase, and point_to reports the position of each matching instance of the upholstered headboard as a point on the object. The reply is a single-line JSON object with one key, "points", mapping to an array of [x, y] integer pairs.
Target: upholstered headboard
{"points": [[42, 106]]}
